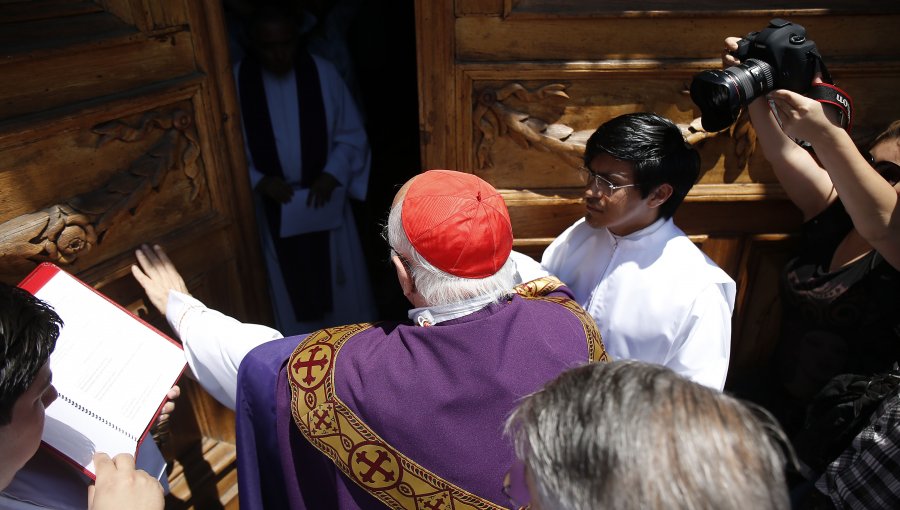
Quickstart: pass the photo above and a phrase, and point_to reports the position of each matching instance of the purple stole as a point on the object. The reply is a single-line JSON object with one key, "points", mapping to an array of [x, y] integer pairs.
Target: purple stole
{"points": [[305, 260], [370, 415]]}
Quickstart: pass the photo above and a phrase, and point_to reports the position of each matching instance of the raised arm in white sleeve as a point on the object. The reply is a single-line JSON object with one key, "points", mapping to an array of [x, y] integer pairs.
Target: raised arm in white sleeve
{"points": [[214, 343]]}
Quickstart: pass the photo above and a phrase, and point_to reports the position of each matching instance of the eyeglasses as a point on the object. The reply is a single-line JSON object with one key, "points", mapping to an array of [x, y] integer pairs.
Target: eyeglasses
{"points": [[887, 169], [403, 260], [590, 178], [515, 488]]}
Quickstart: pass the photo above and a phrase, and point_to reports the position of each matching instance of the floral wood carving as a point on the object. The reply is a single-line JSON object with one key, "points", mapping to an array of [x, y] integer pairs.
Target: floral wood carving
{"points": [[741, 132], [62, 232], [493, 118]]}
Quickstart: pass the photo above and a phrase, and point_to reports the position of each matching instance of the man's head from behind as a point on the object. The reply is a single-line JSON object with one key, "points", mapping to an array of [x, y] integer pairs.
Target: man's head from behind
{"points": [[660, 165], [451, 237], [630, 435], [28, 332]]}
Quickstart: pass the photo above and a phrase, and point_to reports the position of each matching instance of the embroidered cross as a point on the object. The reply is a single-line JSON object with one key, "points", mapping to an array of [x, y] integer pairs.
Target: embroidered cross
{"points": [[434, 504], [321, 419], [374, 466], [311, 363]]}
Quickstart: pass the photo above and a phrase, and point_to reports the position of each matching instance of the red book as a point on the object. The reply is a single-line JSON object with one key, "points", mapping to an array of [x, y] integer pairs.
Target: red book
{"points": [[112, 371]]}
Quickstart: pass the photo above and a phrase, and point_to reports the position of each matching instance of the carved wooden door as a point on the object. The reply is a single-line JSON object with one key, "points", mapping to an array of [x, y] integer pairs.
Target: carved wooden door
{"points": [[509, 90], [118, 126]]}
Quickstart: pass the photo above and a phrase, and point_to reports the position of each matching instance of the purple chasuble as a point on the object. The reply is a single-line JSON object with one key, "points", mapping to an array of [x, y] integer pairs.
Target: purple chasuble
{"points": [[305, 259], [439, 395]]}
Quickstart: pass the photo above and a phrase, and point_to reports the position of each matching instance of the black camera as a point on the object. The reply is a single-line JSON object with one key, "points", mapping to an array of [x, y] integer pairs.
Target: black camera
{"points": [[778, 57]]}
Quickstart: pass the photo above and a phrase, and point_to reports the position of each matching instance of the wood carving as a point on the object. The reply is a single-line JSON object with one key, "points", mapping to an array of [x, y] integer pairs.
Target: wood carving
{"points": [[62, 232], [741, 132], [744, 138], [493, 118]]}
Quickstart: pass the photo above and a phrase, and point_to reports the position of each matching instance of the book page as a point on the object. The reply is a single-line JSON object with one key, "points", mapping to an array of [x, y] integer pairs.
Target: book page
{"points": [[78, 435], [299, 218], [111, 370]]}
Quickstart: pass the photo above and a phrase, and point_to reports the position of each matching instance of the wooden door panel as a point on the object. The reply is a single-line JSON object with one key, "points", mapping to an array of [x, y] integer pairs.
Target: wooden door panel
{"points": [[758, 310], [113, 68], [119, 126], [113, 183], [510, 90], [615, 35]]}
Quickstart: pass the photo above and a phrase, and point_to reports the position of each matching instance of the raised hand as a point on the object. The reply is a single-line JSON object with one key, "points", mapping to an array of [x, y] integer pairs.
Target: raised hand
{"points": [[157, 275], [800, 116]]}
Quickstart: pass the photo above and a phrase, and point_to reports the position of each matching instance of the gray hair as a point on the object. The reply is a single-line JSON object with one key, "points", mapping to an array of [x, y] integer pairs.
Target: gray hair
{"points": [[438, 287], [631, 435]]}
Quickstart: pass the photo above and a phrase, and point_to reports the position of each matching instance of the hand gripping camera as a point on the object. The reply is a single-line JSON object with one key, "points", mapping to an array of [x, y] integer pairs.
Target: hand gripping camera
{"points": [[778, 57]]}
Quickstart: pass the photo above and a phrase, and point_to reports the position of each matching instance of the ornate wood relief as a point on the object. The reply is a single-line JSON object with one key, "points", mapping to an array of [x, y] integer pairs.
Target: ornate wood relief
{"points": [[494, 117], [63, 231]]}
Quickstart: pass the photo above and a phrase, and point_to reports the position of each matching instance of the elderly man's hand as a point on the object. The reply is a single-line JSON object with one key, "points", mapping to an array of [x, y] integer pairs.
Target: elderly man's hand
{"points": [[157, 275], [119, 485]]}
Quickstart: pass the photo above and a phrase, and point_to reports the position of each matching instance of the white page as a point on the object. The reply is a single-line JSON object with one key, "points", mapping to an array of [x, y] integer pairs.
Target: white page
{"points": [[111, 371], [298, 218]]}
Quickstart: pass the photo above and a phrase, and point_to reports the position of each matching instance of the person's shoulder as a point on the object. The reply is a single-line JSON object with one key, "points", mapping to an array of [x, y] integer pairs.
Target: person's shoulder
{"points": [[690, 258], [272, 352], [575, 234], [580, 227]]}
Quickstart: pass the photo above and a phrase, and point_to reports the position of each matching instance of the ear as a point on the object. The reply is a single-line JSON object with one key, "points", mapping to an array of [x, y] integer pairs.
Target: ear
{"points": [[403, 276], [659, 196]]}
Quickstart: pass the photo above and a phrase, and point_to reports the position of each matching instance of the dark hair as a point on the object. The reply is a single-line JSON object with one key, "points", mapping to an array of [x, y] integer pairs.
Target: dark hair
{"points": [[632, 435], [656, 148], [28, 332], [271, 12]]}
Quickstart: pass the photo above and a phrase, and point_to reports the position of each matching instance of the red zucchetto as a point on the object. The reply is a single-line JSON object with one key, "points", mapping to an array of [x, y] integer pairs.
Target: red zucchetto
{"points": [[458, 223]]}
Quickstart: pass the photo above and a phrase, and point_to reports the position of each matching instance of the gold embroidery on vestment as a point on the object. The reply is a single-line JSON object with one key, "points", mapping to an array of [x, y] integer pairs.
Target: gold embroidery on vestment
{"points": [[360, 453]]}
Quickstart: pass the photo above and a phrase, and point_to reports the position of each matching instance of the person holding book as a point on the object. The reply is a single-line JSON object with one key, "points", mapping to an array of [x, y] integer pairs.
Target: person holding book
{"points": [[28, 332], [423, 401], [308, 157]]}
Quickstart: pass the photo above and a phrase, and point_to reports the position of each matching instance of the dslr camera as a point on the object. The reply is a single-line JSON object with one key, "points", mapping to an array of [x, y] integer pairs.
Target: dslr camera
{"points": [[778, 57]]}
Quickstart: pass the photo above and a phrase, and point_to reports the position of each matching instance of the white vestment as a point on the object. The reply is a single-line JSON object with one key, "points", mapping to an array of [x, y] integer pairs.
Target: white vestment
{"points": [[654, 295], [348, 161]]}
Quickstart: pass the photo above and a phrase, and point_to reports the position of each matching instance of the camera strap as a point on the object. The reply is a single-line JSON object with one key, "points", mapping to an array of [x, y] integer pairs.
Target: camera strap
{"points": [[829, 94], [833, 96]]}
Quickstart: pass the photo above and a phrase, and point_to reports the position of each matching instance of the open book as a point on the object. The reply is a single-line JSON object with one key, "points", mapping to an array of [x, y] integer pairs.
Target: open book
{"points": [[111, 369]]}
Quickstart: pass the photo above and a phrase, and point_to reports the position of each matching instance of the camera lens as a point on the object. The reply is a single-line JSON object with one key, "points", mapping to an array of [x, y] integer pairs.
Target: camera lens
{"points": [[720, 94], [754, 77]]}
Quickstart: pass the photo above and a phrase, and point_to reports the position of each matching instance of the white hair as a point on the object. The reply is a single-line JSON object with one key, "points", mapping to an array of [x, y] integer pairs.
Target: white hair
{"points": [[438, 287]]}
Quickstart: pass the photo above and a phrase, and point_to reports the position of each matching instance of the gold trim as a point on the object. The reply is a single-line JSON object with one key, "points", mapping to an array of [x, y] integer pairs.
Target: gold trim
{"points": [[361, 454], [539, 288]]}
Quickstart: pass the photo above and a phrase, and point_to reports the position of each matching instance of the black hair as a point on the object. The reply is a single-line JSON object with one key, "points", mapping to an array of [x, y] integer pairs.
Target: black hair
{"points": [[657, 150], [28, 332], [269, 12]]}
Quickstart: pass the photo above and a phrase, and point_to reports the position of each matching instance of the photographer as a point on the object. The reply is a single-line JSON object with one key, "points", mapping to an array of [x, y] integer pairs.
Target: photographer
{"points": [[841, 293]]}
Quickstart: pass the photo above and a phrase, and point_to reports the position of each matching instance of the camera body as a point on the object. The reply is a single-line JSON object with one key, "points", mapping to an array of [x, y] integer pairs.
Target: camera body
{"points": [[778, 57], [784, 46]]}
